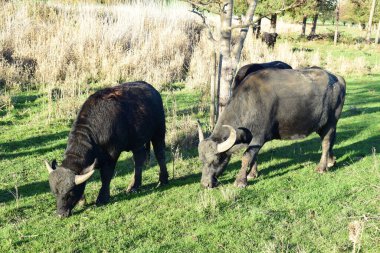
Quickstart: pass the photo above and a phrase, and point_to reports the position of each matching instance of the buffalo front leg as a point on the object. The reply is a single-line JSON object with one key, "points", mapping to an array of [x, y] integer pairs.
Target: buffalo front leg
{"points": [[327, 157], [106, 174], [139, 156], [249, 157], [253, 173]]}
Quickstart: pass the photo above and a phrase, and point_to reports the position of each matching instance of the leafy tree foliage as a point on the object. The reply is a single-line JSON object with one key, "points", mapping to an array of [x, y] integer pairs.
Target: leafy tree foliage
{"points": [[357, 11]]}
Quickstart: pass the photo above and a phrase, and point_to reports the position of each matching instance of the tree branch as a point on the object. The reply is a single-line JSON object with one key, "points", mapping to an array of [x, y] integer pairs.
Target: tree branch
{"points": [[203, 5], [293, 5], [209, 31]]}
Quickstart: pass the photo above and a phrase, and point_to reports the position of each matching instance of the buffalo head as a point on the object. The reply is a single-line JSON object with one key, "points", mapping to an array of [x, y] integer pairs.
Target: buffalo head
{"points": [[214, 156], [67, 187]]}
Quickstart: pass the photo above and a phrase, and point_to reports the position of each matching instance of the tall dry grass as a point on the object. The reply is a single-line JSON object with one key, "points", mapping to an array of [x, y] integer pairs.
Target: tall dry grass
{"points": [[67, 48], [86, 43], [71, 47]]}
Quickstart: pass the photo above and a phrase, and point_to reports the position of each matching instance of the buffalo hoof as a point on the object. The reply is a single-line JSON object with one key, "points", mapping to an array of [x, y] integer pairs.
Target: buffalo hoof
{"points": [[102, 200], [331, 162], [241, 183], [252, 175], [163, 180], [160, 183], [321, 169], [132, 189]]}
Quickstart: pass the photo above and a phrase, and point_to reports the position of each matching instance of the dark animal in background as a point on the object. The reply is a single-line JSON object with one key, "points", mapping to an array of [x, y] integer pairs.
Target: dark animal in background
{"points": [[269, 39], [250, 68], [273, 104], [122, 118]]}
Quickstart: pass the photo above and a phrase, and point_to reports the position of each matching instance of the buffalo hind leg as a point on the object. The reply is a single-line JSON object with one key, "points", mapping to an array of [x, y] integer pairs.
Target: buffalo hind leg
{"points": [[147, 150], [327, 158], [248, 160], [106, 174], [159, 152], [331, 159], [139, 157]]}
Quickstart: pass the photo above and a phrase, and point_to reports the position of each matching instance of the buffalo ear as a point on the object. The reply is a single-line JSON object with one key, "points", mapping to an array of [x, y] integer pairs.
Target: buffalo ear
{"points": [[54, 164], [243, 138], [52, 167]]}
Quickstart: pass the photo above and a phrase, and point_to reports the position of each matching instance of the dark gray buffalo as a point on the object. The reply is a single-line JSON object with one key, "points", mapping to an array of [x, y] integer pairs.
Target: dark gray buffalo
{"points": [[122, 118], [273, 104], [269, 39], [250, 68]]}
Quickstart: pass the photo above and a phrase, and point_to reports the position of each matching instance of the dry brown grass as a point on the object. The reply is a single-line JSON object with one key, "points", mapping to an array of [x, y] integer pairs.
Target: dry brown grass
{"points": [[72, 47], [75, 46], [89, 43]]}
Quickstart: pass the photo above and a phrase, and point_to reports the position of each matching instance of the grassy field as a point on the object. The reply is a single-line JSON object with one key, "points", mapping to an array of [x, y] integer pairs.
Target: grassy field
{"points": [[289, 208]]}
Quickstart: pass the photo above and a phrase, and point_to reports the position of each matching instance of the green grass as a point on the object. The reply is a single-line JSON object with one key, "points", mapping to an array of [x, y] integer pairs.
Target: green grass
{"points": [[289, 208], [351, 44]]}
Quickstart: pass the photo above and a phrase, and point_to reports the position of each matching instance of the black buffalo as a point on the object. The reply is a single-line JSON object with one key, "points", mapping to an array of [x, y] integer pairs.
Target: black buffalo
{"points": [[273, 104], [122, 118], [250, 68], [269, 39]]}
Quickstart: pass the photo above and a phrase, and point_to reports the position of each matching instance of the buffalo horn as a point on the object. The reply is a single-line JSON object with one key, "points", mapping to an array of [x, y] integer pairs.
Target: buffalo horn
{"points": [[79, 179], [227, 144], [200, 133], [48, 167]]}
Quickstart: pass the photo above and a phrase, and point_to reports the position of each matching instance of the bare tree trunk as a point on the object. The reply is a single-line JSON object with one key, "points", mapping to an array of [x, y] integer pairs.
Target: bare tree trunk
{"points": [[368, 36], [225, 51], [314, 27], [230, 59], [273, 22], [336, 23], [304, 19], [378, 33], [212, 89], [218, 85], [258, 28], [243, 34]]}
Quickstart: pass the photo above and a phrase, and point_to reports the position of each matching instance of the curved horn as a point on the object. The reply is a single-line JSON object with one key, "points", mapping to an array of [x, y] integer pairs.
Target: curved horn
{"points": [[227, 144], [79, 179], [200, 133], [48, 167], [89, 168]]}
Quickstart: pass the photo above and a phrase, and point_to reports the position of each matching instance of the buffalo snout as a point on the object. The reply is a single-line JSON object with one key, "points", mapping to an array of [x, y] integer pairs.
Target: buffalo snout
{"points": [[209, 182], [63, 213]]}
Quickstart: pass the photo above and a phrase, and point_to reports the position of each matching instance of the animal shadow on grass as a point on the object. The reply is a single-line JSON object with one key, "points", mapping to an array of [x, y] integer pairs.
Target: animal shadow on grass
{"points": [[146, 189], [38, 141], [40, 150]]}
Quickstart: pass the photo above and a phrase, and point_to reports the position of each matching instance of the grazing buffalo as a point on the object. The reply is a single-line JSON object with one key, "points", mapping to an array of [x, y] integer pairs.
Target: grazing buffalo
{"points": [[250, 68], [122, 118], [273, 104], [269, 39]]}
